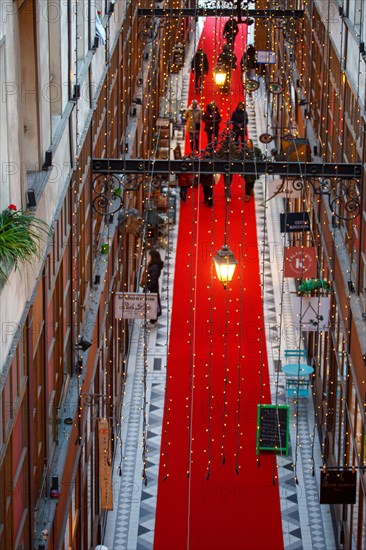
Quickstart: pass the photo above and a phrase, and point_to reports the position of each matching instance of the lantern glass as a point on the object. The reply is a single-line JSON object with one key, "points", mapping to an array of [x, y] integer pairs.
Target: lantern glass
{"points": [[220, 76], [225, 264]]}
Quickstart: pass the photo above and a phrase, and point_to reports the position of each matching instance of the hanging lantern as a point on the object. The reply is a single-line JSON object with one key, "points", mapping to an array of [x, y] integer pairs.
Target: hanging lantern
{"points": [[220, 75], [225, 264]]}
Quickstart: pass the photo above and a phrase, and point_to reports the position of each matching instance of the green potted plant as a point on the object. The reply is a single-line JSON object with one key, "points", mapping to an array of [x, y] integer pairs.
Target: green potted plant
{"points": [[20, 237]]}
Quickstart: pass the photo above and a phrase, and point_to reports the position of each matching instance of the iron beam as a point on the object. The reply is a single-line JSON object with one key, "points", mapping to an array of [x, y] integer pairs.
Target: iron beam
{"points": [[220, 12], [214, 166]]}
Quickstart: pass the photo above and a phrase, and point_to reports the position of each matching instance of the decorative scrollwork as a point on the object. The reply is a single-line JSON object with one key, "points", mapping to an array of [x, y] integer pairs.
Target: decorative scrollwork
{"points": [[345, 201], [343, 195], [109, 194], [109, 190], [298, 185]]}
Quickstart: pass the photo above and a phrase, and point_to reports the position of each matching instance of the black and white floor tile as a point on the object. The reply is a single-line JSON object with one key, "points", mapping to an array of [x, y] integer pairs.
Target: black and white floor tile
{"points": [[131, 524], [306, 525]]}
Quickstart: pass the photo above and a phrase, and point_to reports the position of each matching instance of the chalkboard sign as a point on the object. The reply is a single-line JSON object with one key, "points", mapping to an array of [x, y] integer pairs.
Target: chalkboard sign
{"points": [[273, 428]]}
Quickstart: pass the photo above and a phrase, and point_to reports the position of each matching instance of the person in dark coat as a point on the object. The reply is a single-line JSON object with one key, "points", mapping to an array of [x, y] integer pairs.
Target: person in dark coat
{"points": [[227, 60], [231, 29], [207, 182], [211, 118], [199, 67], [185, 181], [251, 153], [239, 120], [248, 62], [153, 271]]}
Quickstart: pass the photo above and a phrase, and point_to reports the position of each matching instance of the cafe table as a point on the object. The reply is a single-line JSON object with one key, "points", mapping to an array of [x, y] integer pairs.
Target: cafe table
{"points": [[297, 379], [296, 369]]}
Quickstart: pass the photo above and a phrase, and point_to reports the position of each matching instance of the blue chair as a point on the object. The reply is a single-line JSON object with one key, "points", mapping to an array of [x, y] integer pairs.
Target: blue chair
{"points": [[295, 353], [297, 388]]}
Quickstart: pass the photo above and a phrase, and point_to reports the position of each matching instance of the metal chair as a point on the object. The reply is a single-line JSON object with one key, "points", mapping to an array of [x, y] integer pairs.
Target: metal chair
{"points": [[297, 388], [295, 353]]}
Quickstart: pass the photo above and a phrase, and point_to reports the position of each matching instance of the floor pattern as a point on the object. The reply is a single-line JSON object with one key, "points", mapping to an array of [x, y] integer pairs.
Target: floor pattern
{"points": [[131, 525]]}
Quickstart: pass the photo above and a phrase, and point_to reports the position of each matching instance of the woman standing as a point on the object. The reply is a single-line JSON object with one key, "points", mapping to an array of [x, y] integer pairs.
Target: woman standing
{"points": [[154, 267], [193, 116], [212, 119], [239, 120]]}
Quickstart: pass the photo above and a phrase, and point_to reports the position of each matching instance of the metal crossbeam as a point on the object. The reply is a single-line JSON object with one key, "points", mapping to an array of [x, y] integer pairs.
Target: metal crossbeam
{"points": [[219, 12], [214, 166]]}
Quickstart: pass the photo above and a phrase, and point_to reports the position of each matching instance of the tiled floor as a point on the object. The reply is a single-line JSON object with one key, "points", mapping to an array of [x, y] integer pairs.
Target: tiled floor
{"points": [[306, 524]]}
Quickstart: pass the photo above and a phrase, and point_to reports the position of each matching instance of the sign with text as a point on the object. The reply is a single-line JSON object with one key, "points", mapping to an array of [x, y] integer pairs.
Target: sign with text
{"points": [[294, 221], [311, 313], [135, 305], [338, 487], [273, 425], [105, 465], [283, 187], [300, 262]]}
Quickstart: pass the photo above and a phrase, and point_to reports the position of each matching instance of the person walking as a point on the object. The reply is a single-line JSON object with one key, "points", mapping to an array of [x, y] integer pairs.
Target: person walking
{"points": [[227, 60], [212, 118], [231, 29], [248, 62], [199, 67], [193, 116], [251, 153], [153, 270], [239, 121], [185, 181], [207, 182]]}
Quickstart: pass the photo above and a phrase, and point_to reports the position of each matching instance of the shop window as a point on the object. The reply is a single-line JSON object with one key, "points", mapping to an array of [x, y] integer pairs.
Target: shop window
{"points": [[55, 80], [81, 15], [354, 13], [29, 97], [4, 153]]}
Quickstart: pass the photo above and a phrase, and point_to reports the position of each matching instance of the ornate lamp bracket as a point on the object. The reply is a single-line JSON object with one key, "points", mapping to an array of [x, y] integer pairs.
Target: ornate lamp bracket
{"points": [[109, 190], [343, 195]]}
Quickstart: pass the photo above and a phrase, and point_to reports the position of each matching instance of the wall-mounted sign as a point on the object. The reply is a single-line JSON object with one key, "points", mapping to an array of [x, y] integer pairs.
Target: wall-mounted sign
{"points": [[266, 56], [251, 85], [105, 465], [283, 187], [275, 88], [273, 423], [311, 313], [135, 305], [300, 262], [294, 221], [338, 487], [266, 138]]}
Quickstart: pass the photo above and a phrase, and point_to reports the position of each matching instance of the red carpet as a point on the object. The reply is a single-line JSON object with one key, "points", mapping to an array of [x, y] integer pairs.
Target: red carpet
{"points": [[238, 506]]}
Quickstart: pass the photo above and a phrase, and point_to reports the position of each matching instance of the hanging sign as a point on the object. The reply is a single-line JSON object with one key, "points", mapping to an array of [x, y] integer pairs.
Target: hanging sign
{"points": [[338, 487], [295, 149], [300, 262], [294, 221], [311, 313], [273, 423], [105, 465], [135, 305], [283, 187]]}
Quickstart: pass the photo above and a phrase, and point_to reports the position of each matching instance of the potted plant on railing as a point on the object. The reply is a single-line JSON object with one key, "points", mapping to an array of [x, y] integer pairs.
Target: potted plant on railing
{"points": [[20, 237]]}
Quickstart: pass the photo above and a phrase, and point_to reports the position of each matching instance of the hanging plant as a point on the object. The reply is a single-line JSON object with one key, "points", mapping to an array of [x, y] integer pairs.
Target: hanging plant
{"points": [[20, 237], [313, 284]]}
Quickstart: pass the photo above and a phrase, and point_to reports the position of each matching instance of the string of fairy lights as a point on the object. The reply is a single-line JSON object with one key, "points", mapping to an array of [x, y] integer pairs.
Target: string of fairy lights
{"points": [[278, 104]]}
